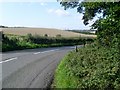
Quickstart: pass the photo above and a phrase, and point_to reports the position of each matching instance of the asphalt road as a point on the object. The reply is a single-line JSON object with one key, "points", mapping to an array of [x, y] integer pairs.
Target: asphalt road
{"points": [[31, 68]]}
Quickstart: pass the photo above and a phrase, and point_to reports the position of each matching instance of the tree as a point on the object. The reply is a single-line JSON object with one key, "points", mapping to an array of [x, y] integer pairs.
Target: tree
{"points": [[46, 35], [108, 23], [29, 37]]}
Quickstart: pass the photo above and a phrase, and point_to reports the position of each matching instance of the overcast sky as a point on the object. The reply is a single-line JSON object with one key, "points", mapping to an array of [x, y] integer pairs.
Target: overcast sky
{"points": [[40, 14]]}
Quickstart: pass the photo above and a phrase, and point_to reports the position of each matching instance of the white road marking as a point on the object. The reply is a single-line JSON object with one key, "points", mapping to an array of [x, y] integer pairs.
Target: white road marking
{"points": [[37, 53], [46, 51], [9, 60], [33, 53]]}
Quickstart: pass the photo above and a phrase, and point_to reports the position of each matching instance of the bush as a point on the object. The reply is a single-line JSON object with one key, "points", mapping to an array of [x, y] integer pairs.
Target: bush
{"points": [[90, 68], [58, 35], [46, 35]]}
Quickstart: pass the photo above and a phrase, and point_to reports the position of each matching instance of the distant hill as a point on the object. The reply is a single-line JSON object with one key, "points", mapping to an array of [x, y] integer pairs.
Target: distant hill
{"points": [[42, 31]]}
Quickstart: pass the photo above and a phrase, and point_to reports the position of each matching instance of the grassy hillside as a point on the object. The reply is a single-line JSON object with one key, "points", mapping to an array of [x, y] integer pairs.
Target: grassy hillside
{"points": [[91, 68], [42, 31]]}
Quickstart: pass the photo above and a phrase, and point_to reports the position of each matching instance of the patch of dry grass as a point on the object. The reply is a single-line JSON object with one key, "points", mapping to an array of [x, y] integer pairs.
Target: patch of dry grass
{"points": [[42, 31]]}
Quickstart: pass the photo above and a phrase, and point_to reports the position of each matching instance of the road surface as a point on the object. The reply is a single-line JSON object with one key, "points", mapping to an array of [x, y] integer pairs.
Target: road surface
{"points": [[31, 68]]}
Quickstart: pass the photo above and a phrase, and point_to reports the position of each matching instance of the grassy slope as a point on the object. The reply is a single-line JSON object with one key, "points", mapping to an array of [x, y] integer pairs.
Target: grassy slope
{"points": [[43, 31], [90, 68]]}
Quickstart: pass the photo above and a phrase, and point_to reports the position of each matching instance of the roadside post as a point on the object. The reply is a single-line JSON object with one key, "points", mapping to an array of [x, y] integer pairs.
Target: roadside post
{"points": [[84, 42], [76, 48]]}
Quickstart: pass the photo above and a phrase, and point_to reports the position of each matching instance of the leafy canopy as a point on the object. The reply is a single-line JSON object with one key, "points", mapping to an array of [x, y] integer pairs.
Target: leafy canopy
{"points": [[108, 23]]}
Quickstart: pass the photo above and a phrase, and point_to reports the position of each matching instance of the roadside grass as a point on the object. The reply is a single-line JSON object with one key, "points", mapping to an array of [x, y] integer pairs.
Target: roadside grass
{"points": [[62, 77], [92, 67]]}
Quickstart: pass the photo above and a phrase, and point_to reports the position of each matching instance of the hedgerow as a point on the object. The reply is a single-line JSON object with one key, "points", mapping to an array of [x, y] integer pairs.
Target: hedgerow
{"points": [[12, 42], [92, 67]]}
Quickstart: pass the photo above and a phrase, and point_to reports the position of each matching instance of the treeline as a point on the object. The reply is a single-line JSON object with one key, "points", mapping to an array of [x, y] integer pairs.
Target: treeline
{"points": [[90, 32], [1, 26], [12, 42]]}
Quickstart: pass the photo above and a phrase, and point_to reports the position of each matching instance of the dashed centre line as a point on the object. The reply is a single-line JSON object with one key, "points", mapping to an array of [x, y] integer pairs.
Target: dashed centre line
{"points": [[46, 51], [11, 59], [8, 60]]}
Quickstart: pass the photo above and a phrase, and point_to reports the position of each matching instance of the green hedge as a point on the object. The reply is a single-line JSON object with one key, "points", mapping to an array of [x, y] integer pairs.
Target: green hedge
{"points": [[92, 67], [12, 42]]}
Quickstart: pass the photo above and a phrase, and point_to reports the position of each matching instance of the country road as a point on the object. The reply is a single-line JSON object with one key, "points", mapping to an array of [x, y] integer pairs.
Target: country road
{"points": [[33, 68]]}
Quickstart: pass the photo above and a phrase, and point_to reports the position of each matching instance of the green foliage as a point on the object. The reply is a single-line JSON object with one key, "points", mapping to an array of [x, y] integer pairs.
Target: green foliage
{"points": [[29, 37], [8, 44], [12, 42], [93, 68], [108, 23]]}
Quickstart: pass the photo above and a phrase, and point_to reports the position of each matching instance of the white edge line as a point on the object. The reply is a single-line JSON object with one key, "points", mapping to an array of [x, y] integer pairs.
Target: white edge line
{"points": [[8, 60], [46, 51]]}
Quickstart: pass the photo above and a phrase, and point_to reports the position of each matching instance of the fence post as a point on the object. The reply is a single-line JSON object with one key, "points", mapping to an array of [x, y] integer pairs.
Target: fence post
{"points": [[76, 49]]}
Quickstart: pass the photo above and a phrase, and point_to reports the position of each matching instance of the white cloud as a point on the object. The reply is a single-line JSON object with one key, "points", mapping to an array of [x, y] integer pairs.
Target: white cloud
{"points": [[50, 11], [43, 4], [59, 12]]}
